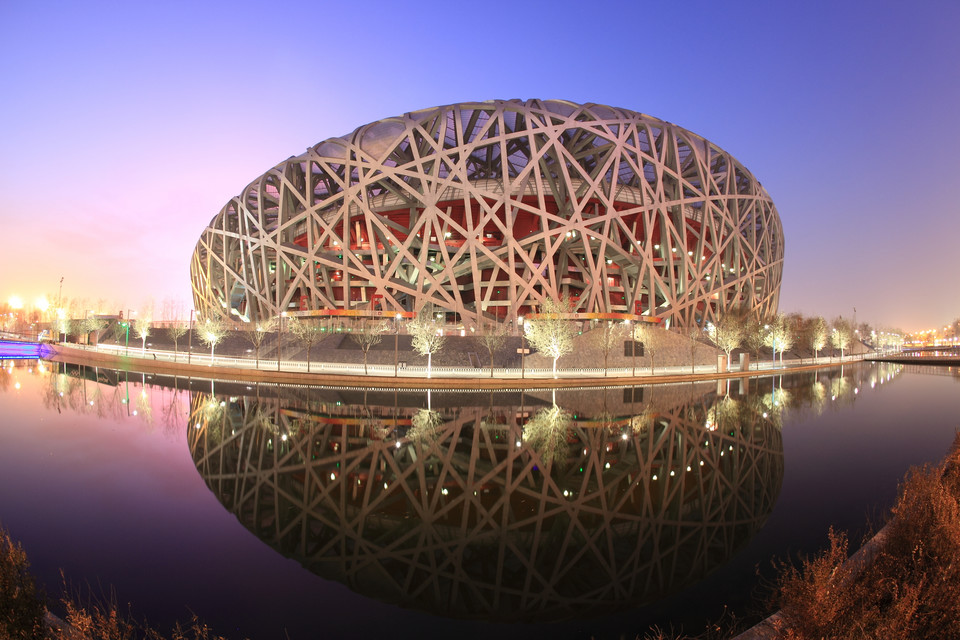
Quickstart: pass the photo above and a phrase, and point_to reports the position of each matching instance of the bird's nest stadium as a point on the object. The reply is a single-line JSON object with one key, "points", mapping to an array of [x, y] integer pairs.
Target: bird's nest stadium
{"points": [[484, 210]]}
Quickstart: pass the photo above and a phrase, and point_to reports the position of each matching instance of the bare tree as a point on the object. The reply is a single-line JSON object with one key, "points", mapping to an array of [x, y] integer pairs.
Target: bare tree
{"points": [[650, 336], [257, 334], [142, 328], [818, 336], [550, 333], [369, 334], [841, 335], [92, 324], [753, 335], [727, 333], [176, 330], [427, 334], [695, 335], [779, 335], [307, 331], [607, 336], [493, 337], [211, 331]]}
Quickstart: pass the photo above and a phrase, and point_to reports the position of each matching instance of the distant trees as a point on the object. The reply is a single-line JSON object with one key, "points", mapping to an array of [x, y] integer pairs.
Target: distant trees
{"points": [[550, 333], [427, 332]]}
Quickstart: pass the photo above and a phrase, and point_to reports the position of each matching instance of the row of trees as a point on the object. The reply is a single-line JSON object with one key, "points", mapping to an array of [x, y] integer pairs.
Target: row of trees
{"points": [[550, 333], [783, 332]]}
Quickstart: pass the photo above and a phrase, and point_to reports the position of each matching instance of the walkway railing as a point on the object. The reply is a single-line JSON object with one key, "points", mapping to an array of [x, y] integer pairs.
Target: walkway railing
{"points": [[420, 371]]}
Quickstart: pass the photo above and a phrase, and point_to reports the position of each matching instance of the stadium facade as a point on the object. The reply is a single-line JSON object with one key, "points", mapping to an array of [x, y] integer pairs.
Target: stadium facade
{"points": [[486, 209]]}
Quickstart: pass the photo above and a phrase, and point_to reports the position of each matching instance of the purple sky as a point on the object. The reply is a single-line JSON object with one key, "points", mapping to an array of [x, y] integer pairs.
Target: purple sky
{"points": [[125, 127]]}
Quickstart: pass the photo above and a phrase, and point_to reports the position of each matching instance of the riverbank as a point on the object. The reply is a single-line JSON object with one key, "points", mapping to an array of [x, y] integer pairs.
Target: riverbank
{"points": [[351, 375]]}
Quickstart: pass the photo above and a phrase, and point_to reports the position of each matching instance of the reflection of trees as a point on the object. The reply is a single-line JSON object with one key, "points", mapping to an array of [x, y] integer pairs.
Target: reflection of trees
{"points": [[458, 511], [425, 428], [546, 433]]}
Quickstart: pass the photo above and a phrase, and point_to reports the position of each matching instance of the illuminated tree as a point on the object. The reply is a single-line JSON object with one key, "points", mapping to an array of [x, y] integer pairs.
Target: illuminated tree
{"points": [[779, 336], [427, 332], [550, 333], [841, 335], [211, 331], [818, 336], [94, 325], [141, 326], [753, 335], [368, 335], [727, 333], [257, 334]]}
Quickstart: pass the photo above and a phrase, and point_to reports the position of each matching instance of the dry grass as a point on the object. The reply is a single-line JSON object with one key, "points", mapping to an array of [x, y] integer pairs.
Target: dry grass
{"points": [[911, 589], [23, 610], [21, 603]]}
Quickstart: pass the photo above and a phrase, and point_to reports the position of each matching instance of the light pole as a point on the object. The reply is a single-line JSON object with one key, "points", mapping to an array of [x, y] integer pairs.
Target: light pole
{"points": [[523, 371], [126, 341], [190, 338], [59, 292], [280, 337], [396, 346]]}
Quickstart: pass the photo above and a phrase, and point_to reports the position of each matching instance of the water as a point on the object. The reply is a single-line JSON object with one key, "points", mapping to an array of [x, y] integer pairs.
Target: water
{"points": [[266, 509]]}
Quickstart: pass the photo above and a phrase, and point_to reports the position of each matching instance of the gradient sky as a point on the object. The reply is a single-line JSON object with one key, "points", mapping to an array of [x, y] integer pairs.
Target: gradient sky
{"points": [[125, 127]]}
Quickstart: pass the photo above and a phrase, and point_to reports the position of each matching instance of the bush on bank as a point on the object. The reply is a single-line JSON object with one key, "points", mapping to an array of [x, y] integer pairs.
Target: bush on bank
{"points": [[910, 590]]}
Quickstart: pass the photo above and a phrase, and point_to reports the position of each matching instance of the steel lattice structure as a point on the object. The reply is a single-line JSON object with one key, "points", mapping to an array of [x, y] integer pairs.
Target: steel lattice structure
{"points": [[486, 209], [471, 517]]}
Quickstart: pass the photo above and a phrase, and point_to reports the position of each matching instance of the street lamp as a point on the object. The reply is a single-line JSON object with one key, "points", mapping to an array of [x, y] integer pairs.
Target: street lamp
{"points": [[523, 371], [280, 337], [396, 346], [773, 336]]}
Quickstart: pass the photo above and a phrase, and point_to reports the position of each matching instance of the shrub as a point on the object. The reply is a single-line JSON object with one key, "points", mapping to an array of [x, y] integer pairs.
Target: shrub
{"points": [[22, 606], [910, 590]]}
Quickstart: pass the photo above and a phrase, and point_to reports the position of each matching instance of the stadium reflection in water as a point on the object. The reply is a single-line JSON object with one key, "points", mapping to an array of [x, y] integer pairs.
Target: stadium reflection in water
{"points": [[503, 506]]}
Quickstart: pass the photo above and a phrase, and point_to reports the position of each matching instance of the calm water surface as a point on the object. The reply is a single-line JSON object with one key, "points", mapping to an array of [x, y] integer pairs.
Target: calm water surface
{"points": [[339, 513]]}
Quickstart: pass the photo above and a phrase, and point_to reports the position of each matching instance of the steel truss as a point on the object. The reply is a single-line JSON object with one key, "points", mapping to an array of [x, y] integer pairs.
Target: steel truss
{"points": [[486, 209]]}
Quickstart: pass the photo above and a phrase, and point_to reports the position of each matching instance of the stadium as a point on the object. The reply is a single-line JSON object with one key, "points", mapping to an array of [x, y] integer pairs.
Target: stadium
{"points": [[484, 210]]}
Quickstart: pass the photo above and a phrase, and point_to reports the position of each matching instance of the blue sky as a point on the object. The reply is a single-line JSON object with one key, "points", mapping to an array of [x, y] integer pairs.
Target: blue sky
{"points": [[125, 127]]}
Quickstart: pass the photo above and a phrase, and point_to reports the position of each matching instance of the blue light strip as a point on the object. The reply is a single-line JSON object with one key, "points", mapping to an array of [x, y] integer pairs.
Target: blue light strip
{"points": [[10, 350]]}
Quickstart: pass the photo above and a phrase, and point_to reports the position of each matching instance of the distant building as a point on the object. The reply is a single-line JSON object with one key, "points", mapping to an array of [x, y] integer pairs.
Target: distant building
{"points": [[485, 209]]}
